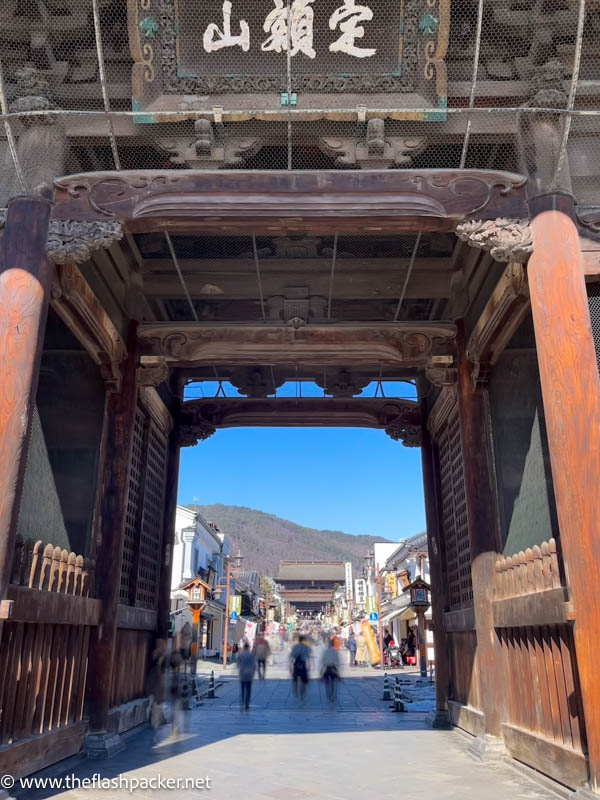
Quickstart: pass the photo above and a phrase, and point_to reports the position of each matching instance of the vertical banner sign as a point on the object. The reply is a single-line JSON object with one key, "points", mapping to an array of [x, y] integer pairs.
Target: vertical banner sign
{"points": [[348, 578], [250, 632], [367, 632], [371, 604], [235, 605]]}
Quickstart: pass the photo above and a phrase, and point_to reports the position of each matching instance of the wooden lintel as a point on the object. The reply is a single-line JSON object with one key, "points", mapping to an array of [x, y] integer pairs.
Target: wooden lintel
{"points": [[242, 201], [501, 316], [550, 607], [350, 284], [400, 419], [81, 311], [463, 619], [139, 619], [350, 346], [36, 605]]}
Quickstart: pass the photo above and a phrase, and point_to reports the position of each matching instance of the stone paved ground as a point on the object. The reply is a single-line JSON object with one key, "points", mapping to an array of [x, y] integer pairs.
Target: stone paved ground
{"points": [[282, 750]]}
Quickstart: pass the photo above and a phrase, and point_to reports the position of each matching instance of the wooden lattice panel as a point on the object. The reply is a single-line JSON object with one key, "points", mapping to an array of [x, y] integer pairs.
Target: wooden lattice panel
{"points": [[152, 519], [454, 515], [133, 508]]}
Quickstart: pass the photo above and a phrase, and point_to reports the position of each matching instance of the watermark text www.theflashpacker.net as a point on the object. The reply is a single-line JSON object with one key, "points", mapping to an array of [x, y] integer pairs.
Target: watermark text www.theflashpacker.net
{"points": [[128, 783]]}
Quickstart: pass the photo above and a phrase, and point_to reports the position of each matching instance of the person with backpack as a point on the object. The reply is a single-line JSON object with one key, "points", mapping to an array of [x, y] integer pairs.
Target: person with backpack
{"points": [[330, 670], [246, 664], [299, 660]]}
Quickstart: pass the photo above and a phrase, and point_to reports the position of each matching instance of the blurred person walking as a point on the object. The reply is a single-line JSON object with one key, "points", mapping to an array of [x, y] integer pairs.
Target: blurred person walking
{"points": [[351, 647], [299, 660], [246, 664], [261, 652], [330, 670]]}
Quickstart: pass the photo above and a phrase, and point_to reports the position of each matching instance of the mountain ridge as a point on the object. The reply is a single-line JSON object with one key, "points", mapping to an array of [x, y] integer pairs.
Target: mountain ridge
{"points": [[265, 539]]}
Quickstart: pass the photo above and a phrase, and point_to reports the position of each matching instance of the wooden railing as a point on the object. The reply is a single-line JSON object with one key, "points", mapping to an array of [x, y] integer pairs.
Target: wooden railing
{"points": [[44, 641], [544, 724], [43, 566], [534, 570]]}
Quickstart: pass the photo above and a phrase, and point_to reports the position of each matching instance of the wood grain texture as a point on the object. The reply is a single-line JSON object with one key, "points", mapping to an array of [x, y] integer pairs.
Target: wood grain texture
{"points": [[571, 395], [120, 418], [25, 277], [483, 537], [436, 561]]}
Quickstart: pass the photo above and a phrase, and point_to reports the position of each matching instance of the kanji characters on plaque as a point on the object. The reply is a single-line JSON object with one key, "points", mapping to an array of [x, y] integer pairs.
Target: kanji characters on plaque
{"points": [[290, 26]]}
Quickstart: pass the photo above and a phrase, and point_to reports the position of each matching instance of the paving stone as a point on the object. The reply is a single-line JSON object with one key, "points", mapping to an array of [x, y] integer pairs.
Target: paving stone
{"points": [[286, 750]]}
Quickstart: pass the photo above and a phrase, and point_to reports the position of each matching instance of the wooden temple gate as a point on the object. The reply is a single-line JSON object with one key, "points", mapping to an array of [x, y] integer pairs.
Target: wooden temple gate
{"points": [[414, 198], [514, 619]]}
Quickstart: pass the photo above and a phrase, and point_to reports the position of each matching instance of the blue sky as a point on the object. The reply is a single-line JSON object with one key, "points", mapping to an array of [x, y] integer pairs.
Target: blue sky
{"points": [[353, 480]]}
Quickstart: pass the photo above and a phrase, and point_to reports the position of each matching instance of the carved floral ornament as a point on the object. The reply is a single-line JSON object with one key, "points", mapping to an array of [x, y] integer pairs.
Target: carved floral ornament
{"points": [[73, 241], [505, 239]]}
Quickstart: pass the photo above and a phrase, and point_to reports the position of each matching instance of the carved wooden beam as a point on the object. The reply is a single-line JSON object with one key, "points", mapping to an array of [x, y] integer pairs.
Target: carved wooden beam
{"points": [[73, 241], [441, 410], [239, 201], [349, 346], [400, 419], [502, 314], [504, 239], [81, 311]]}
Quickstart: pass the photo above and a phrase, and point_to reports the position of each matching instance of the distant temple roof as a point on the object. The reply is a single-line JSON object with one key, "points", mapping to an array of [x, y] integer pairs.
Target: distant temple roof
{"points": [[312, 571]]}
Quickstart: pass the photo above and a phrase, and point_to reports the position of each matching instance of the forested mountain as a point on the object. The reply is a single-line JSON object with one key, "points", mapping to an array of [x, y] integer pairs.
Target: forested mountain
{"points": [[265, 539]]}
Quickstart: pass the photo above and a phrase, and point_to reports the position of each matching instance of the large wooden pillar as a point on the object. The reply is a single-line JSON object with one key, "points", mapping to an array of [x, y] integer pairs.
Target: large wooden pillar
{"points": [[120, 421], [441, 718], [164, 588], [483, 542], [25, 277], [571, 395]]}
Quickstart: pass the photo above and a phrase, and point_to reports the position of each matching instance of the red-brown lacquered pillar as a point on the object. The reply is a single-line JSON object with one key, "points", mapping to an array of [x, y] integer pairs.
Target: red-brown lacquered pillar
{"points": [[571, 394], [25, 278]]}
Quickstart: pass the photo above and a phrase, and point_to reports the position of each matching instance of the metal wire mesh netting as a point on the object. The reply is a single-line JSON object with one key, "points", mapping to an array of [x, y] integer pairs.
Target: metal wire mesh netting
{"points": [[301, 84]]}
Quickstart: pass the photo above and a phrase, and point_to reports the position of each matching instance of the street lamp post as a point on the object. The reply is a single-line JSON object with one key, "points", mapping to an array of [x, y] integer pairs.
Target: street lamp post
{"points": [[229, 570]]}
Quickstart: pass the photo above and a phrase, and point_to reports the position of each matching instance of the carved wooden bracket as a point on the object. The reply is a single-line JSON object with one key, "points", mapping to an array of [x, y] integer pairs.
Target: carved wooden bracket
{"points": [[79, 308], [371, 148], [153, 371], [211, 148], [504, 239], [400, 419], [73, 241], [500, 318], [441, 371], [344, 346]]}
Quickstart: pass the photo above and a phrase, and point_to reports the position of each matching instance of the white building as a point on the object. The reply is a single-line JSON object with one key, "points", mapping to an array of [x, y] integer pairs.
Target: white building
{"points": [[407, 562], [199, 549]]}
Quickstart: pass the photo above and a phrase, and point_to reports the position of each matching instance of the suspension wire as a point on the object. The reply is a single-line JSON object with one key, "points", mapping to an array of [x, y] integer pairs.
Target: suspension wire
{"points": [[325, 382], [332, 273], [289, 86], [12, 146], [191, 114], [266, 113], [572, 91], [463, 156], [273, 380], [408, 274], [258, 277], [103, 86], [180, 274]]}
